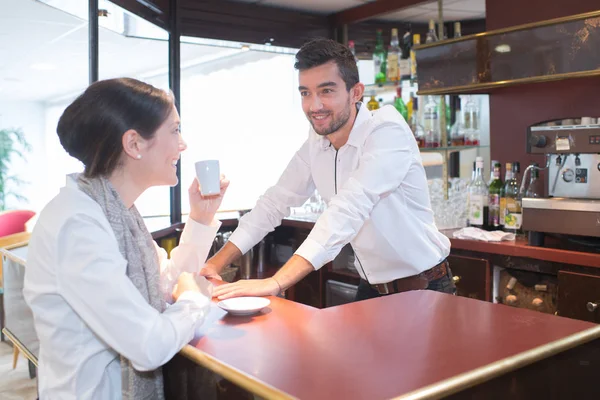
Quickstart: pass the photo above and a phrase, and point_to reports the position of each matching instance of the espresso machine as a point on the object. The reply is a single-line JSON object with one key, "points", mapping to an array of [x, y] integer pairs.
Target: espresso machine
{"points": [[573, 166]]}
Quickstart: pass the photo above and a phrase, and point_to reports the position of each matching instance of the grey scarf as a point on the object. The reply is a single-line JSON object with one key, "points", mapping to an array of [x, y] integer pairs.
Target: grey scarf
{"points": [[136, 246]]}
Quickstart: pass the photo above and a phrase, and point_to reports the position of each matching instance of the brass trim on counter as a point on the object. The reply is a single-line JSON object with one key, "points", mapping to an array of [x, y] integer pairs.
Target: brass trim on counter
{"points": [[11, 256], [479, 375], [538, 24], [234, 375], [499, 84], [17, 343]]}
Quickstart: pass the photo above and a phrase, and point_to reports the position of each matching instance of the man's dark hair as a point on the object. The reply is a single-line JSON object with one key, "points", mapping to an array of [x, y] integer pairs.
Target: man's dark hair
{"points": [[92, 127], [321, 51]]}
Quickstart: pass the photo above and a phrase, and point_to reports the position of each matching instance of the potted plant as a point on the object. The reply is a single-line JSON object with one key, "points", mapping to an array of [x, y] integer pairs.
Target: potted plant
{"points": [[12, 144]]}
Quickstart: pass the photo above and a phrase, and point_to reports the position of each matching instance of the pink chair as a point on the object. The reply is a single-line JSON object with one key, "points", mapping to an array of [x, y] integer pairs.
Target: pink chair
{"points": [[13, 221]]}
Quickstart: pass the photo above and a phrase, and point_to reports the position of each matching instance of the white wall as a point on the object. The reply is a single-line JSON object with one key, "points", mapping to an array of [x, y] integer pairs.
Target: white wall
{"points": [[29, 116]]}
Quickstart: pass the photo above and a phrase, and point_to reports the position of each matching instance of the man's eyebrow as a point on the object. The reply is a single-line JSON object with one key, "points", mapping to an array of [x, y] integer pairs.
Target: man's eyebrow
{"points": [[302, 88], [324, 84]]}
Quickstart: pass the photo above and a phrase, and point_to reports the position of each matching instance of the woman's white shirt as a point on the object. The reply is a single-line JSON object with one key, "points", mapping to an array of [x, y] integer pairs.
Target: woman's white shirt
{"points": [[86, 310]]}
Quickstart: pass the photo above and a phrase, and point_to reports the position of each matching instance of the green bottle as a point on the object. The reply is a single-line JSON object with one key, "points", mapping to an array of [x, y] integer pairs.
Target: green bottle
{"points": [[495, 189], [379, 58], [399, 104]]}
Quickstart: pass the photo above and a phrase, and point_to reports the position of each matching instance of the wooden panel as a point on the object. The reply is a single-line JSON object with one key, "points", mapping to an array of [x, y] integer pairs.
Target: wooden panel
{"points": [[252, 23], [569, 375], [555, 50], [520, 248], [472, 277], [575, 292], [505, 13]]}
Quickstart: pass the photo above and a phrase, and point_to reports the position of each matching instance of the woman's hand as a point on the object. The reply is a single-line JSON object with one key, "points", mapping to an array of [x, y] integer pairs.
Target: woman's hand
{"points": [[203, 208], [185, 283]]}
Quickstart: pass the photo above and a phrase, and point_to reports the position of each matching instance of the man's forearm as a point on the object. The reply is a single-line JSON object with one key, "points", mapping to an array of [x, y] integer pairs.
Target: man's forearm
{"points": [[225, 256], [293, 271]]}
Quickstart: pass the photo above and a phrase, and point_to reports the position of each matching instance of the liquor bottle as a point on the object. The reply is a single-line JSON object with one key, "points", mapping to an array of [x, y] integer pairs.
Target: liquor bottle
{"points": [[373, 104], [535, 188], [492, 177], [415, 124], [495, 187], [514, 216], [379, 59], [471, 122], [508, 175], [431, 124], [409, 106], [404, 62], [478, 198], [352, 48], [393, 58], [399, 104], [431, 35], [457, 131], [413, 57], [457, 32]]}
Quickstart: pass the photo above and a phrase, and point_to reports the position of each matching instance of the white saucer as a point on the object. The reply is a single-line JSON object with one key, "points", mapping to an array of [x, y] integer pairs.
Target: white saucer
{"points": [[244, 305]]}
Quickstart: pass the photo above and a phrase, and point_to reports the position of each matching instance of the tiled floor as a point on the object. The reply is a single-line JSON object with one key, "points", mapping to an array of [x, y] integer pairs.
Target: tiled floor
{"points": [[15, 383]]}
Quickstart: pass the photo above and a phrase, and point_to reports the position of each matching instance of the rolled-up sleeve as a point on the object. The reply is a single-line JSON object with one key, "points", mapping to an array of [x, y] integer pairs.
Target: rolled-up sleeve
{"points": [[383, 165], [194, 245]]}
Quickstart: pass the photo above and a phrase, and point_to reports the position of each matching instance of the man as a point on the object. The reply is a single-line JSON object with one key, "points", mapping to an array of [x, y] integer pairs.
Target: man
{"points": [[367, 167]]}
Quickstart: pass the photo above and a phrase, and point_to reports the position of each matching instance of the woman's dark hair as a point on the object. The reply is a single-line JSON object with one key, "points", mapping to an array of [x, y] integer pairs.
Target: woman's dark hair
{"points": [[321, 51], [92, 127]]}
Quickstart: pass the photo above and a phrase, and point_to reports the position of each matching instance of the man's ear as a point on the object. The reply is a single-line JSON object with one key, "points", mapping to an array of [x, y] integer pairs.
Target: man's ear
{"points": [[133, 144], [357, 92]]}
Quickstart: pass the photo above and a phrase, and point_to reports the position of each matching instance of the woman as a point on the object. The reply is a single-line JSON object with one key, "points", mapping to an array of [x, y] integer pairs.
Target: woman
{"points": [[96, 282]]}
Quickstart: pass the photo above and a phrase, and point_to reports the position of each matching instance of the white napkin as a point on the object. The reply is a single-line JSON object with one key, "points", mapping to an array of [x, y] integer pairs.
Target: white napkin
{"points": [[480, 234]]}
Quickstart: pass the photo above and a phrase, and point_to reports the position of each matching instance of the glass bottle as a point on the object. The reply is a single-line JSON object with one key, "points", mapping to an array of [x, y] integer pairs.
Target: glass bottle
{"points": [[478, 198], [514, 216], [457, 131], [495, 187], [431, 35], [415, 124], [352, 48], [404, 62], [373, 104], [431, 124], [457, 32], [393, 58], [535, 188], [492, 164], [508, 175], [399, 104], [413, 57], [471, 122], [379, 59]]}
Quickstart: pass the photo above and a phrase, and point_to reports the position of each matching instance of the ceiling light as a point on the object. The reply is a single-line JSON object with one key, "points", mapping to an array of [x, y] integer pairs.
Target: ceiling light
{"points": [[43, 66], [245, 47], [502, 48]]}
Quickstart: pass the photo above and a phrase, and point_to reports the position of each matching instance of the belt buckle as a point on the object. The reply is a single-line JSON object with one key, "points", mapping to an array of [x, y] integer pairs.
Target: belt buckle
{"points": [[384, 288]]}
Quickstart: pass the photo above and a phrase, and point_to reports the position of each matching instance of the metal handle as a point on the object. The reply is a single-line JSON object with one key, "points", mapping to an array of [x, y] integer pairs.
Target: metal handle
{"points": [[456, 279], [592, 306]]}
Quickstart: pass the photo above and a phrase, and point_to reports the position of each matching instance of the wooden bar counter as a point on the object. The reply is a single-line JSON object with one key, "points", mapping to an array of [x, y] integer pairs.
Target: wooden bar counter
{"points": [[412, 345]]}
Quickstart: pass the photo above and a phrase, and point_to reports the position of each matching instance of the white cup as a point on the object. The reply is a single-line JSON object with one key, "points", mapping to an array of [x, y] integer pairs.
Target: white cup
{"points": [[209, 176]]}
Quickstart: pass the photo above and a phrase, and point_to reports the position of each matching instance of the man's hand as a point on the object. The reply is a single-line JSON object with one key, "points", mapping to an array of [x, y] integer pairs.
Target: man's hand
{"points": [[247, 287], [185, 283], [210, 271]]}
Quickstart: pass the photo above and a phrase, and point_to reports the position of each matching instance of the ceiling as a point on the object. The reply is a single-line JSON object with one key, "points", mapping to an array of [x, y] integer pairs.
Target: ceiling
{"points": [[454, 10]]}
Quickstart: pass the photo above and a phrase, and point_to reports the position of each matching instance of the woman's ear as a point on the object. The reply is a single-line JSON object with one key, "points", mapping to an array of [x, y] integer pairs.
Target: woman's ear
{"points": [[132, 144]]}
